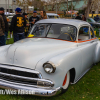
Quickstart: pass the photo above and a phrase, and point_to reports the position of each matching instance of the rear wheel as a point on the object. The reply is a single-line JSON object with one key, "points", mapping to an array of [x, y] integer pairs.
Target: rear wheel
{"points": [[66, 82]]}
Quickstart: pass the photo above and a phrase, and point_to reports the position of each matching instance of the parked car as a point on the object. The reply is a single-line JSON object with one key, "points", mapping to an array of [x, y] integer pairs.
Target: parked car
{"points": [[59, 54], [98, 21], [93, 23], [52, 16], [9, 19]]}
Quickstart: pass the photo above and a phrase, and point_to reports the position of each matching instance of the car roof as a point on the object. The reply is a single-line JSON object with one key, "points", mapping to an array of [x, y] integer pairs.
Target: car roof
{"points": [[74, 22], [52, 14]]}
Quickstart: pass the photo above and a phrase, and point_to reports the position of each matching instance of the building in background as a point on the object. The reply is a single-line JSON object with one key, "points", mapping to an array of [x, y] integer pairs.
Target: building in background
{"points": [[62, 5], [8, 5], [77, 5]]}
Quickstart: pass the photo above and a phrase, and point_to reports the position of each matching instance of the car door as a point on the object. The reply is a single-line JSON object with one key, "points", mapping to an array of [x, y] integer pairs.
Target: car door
{"points": [[87, 45]]}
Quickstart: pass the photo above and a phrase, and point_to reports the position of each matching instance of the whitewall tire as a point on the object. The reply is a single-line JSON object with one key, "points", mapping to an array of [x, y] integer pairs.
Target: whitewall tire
{"points": [[66, 83]]}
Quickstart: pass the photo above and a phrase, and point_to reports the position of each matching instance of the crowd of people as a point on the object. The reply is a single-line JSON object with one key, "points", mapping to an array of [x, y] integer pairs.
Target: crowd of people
{"points": [[96, 18], [19, 25], [80, 18]]}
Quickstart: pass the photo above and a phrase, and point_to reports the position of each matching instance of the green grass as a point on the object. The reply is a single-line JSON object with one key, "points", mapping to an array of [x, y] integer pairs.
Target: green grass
{"points": [[88, 88], [10, 40]]}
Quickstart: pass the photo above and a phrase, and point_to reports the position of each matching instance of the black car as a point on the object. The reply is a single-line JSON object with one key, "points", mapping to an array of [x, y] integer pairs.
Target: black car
{"points": [[93, 23]]}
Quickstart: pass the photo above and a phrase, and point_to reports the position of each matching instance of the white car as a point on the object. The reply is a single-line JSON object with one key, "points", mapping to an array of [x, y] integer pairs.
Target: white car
{"points": [[52, 16], [60, 52]]}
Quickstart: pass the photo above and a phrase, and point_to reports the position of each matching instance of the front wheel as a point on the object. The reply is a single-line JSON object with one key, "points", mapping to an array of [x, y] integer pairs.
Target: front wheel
{"points": [[66, 82]]}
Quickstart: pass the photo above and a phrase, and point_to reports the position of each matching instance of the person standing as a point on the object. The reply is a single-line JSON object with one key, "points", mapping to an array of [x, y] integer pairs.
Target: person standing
{"points": [[43, 15], [2, 30], [33, 19], [17, 25], [5, 21], [27, 24], [97, 18], [83, 17], [78, 17]]}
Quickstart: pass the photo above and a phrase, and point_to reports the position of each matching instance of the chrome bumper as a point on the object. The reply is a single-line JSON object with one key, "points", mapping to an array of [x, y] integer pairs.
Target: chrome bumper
{"points": [[37, 91], [12, 77]]}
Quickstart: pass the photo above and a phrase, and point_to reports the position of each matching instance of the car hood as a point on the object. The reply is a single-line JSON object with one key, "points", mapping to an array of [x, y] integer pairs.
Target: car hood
{"points": [[28, 52]]}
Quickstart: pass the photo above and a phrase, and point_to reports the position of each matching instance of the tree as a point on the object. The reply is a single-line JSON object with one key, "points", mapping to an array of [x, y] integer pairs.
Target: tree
{"points": [[88, 8], [38, 4], [90, 5]]}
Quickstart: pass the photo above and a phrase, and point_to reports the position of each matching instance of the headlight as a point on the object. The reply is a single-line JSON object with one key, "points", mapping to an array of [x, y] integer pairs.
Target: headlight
{"points": [[49, 68]]}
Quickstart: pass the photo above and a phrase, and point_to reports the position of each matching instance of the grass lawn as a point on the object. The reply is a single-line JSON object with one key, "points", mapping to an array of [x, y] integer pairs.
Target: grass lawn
{"points": [[88, 88]]}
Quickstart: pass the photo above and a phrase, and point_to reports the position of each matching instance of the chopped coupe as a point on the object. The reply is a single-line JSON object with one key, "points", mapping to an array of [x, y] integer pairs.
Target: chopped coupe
{"points": [[60, 52]]}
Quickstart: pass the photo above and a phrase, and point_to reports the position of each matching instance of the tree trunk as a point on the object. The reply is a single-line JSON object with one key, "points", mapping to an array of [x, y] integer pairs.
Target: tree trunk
{"points": [[67, 7], [88, 8]]}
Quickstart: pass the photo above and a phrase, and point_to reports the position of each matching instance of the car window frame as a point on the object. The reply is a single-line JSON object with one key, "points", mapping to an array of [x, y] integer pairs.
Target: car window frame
{"points": [[93, 32], [89, 32]]}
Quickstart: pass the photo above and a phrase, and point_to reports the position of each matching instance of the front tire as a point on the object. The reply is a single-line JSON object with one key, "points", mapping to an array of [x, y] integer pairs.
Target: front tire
{"points": [[66, 84]]}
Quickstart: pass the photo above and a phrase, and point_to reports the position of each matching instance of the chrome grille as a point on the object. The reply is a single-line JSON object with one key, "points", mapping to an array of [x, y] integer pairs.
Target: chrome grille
{"points": [[23, 76], [19, 73], [18, 80]]}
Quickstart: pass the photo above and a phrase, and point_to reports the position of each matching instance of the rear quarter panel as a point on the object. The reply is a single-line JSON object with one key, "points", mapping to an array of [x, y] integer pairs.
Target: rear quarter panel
{"points": [[97, 53]]}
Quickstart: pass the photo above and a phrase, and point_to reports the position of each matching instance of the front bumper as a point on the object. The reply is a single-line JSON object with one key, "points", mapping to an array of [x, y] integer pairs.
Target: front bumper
{"points": [[36, 91], [18, 78]]}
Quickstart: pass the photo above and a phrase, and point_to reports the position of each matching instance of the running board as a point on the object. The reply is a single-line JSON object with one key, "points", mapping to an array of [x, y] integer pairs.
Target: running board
{"points": [[82, 75]]}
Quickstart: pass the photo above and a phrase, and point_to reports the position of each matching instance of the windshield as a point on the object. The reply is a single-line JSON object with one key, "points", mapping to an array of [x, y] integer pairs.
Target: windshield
{"points": [[91, 20], [58, 31]]}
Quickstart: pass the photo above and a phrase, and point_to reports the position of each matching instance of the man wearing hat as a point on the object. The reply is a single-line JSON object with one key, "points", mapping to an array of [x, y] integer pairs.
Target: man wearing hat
{"points": [[33, 19], [5, 22], [17, 25], [27, 24]]}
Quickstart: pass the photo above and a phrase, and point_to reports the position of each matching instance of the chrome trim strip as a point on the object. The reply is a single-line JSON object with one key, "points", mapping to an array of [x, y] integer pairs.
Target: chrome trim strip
{"points": [[37, 91]]}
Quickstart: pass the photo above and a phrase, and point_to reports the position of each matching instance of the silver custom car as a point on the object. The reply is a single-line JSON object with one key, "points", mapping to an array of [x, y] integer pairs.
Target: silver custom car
{"points": [[60, 53]]}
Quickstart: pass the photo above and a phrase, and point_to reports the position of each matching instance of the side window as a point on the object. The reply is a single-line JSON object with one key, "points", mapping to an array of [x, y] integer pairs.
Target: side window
{"points": [[84, 33], [68, 33], [92, 33]]}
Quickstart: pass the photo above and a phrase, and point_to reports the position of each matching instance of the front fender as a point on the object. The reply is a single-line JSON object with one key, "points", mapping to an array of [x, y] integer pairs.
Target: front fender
{"points": [[4, 48], [63, 62]]}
